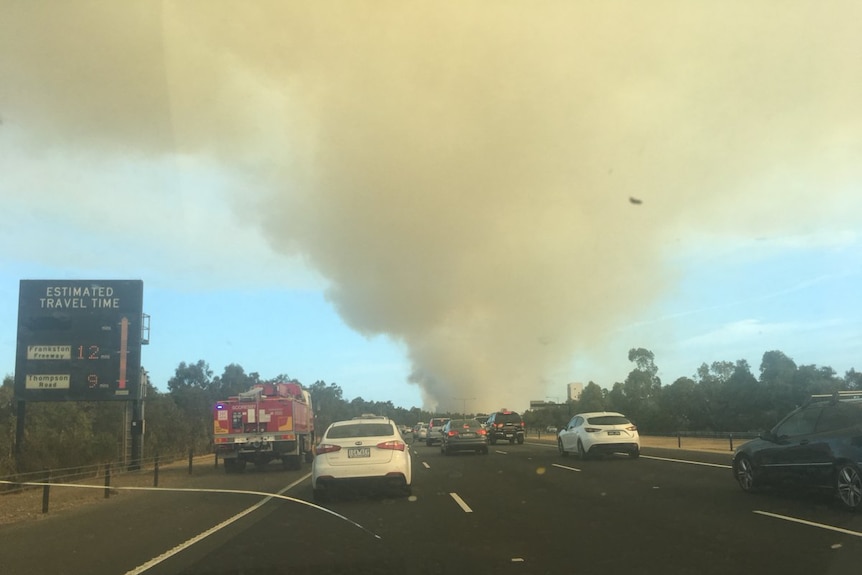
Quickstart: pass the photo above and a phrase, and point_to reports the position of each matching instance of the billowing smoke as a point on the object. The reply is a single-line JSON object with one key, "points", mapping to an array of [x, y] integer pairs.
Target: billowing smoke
{"points": [[462, 173]]}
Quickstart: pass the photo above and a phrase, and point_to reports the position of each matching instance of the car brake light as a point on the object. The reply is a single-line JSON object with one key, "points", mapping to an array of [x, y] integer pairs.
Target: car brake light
{"points": [[326, 448], [482, 432], [498, 425], [632, 428], [592, 429], [396, 445], [452, 433], [522, 424]]}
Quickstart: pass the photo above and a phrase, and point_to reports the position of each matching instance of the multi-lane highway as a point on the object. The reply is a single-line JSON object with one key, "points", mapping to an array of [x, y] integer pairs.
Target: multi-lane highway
{"points": [[522, 509]]}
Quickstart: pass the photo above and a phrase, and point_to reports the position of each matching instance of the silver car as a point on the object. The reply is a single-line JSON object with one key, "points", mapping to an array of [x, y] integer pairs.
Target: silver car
{"points": [[435, 430]]}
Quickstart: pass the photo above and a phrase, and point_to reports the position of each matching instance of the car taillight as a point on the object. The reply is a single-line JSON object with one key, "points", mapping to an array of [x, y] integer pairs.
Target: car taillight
{"points": [[522, 424], [632, 428], [326, 448], [482, 432], [396, 445], [592, 429], [452, 433], [498, 425]]}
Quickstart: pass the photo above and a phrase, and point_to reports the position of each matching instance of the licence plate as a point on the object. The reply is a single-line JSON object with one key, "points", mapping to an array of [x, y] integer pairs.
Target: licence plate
{"points": [[358, 452], [613, 432]]}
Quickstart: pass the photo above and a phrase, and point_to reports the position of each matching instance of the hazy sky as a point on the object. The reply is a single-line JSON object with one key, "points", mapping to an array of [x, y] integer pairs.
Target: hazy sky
{"points": [[424, 201]]}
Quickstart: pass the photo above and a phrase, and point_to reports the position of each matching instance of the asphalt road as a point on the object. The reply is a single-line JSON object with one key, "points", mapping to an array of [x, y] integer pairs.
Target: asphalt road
{"points": [[522, 509]]}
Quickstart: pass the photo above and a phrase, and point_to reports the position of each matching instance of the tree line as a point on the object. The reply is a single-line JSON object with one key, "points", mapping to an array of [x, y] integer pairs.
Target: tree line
{"points": [[722, 396], [73, 434]]}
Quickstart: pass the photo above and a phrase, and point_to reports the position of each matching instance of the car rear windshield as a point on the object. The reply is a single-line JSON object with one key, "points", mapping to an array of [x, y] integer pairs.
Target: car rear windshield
{"points": [[464, 424], [608, 420], [507, 418], [361, 430], [438, 422]]}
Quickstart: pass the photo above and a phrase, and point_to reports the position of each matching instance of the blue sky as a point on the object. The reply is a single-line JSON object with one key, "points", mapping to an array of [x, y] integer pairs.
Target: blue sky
{"points": [[436, 213]]}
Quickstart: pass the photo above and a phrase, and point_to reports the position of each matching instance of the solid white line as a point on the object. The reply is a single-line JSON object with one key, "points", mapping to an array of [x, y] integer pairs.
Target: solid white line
{"points": [[461, 503], [267, 497], [425, 463], [501, 452], [722, 466], [810, 523], [565, 467]]}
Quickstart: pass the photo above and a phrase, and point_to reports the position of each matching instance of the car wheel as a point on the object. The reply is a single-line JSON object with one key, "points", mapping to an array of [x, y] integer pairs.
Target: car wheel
{"points": [[635, 453], [581, 453], [493, 441], [520, 440], [320, 495], [512, 441], [744, 473], [848, 485], [563, 452], [428, 443]]}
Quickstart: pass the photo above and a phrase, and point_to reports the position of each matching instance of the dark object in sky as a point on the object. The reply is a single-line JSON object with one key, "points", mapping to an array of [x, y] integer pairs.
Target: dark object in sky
{"points": [[635, 201]]}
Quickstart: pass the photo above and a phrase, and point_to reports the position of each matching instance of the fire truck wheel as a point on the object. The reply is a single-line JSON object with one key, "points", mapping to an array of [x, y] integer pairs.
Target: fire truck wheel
{"points": [[234, 465]]}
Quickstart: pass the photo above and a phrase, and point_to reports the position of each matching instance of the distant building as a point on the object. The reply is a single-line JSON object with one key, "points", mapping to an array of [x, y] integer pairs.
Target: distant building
{"points": [[540, 404], [574, 390]]}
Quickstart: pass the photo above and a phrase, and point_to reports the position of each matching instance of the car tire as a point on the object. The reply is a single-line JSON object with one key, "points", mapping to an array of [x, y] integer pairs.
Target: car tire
{"points": [[848, 485], [512, 441], [484, 451], [428, 443], [635, 453], [493, 441], [520, 440], [563, 452], [743, 471], [581, 452]]}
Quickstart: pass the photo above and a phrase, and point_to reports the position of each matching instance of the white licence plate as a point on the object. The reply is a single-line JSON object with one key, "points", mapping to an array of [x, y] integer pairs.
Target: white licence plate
{"points": [[613, 432], [358, 452]]}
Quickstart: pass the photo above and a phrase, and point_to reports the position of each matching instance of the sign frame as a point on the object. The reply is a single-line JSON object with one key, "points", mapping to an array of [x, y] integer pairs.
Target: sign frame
{"points": [[79, 340]]}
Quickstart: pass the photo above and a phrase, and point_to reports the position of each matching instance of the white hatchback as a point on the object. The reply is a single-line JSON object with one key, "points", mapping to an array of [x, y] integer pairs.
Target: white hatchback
{"points": [[364, 451], [599, 432]]}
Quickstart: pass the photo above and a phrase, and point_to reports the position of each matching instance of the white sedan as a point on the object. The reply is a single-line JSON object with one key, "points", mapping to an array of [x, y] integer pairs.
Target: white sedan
{"points": [[364, 451], [599, 432]]}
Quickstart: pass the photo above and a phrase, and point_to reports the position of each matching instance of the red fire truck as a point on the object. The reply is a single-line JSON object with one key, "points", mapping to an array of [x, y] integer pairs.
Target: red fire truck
{"points": [[268, 422]]}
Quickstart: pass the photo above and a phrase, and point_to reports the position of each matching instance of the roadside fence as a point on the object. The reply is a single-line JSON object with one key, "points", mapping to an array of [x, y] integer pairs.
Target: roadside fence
{"points": [[101, 474]]}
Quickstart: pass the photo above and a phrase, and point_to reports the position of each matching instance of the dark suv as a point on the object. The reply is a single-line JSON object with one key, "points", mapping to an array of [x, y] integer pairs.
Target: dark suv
{"points": [[818, 444], [505, 424]]}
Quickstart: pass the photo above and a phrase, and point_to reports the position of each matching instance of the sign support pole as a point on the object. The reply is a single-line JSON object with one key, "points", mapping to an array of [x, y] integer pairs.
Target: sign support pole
{"points": [[19, 429]]}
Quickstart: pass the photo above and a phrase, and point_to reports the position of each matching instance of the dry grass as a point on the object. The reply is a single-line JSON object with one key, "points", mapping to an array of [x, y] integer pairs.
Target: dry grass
{"points": [[694, 443], [26, 505]]}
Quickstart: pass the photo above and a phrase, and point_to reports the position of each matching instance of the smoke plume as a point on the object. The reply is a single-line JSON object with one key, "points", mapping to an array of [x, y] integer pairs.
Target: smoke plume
{"points": [[462, 173]]}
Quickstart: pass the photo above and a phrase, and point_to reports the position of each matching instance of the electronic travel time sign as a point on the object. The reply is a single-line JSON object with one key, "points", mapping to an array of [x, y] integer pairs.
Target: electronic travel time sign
{"points": [[79, 340]]}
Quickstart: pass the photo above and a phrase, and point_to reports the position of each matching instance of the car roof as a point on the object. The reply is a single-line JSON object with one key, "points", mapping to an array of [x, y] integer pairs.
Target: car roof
{"points": [[594, 413]]}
